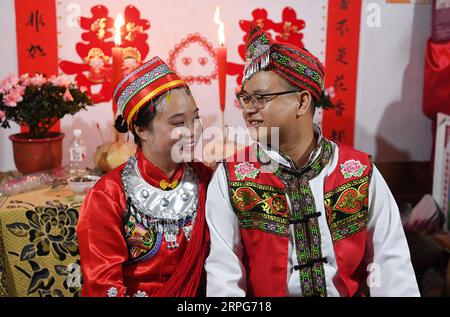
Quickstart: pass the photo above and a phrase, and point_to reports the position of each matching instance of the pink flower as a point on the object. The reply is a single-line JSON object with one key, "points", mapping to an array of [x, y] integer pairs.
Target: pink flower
{"points": [[12, 98], [5, 86], [245, 169], [38, 80], [9, 83], [13, 79], [352, 168], [83, 89], [330, 91], [18, 90], [25, 79], [60, 81], [67, 95]]}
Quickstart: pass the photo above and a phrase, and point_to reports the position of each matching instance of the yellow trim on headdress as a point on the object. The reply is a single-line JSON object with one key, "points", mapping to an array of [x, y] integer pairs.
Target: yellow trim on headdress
{"points": [[151, 95]]}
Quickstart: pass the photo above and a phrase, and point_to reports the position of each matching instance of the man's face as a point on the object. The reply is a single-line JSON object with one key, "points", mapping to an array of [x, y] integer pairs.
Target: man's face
{"points": [[273, 111]]}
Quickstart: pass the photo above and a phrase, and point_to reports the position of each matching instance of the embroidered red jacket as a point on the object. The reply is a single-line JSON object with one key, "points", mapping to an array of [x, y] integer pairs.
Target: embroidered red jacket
{"points": [[106, 254], [259, 201]]}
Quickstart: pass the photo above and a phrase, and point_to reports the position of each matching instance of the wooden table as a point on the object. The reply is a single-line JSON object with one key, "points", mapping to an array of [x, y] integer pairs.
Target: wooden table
{"points": [[38, 244]]}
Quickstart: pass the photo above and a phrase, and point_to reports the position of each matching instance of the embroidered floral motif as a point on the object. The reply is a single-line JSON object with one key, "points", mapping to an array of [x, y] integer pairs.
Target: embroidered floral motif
{"points": [[140, 240], [246, 198], [256, 221], [51, 229], [347, 208], [244, 170], [259, 206], [299, 67], [257, 47], [352, 168], [140, 294], [112, 292]]}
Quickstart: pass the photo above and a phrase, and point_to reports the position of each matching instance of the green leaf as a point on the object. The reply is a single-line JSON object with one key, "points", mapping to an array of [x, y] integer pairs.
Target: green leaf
{"points": [[57, 293], [61, 270], [41, 280], [18, 229], [28, 252]]}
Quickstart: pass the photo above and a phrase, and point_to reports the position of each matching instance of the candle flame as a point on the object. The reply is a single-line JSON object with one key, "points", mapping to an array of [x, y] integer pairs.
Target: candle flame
{"points": [[118, 23], [221, 29]]}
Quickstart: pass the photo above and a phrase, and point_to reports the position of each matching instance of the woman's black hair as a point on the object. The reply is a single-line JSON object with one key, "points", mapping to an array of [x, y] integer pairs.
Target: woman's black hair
{"points": [[144, 119]]}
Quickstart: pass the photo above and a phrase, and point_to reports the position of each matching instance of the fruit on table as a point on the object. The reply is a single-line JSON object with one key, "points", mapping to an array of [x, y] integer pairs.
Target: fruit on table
{"points": [[112, 154]]}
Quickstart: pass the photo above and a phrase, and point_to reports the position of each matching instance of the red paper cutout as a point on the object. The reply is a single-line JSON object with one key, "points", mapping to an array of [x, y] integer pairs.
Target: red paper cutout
{"points": [[288, 31], [207, 46], [187, 60], [202, 60], [96, 53]]}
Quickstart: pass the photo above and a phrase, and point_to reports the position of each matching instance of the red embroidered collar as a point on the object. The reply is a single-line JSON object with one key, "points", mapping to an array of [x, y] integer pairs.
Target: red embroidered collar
{"points": [[153, 174]]}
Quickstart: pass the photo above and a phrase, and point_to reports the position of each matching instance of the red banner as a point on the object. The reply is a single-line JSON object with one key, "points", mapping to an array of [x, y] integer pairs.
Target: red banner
{"points": [[344, 17], [37, 45]]}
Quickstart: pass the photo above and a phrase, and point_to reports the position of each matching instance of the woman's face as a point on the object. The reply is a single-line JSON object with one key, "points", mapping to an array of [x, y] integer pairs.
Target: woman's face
{"points": [[176, 127]]}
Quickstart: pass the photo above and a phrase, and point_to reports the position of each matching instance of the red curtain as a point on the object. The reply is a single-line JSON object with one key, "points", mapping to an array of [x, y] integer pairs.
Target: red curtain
{"points": [[436, 90]]}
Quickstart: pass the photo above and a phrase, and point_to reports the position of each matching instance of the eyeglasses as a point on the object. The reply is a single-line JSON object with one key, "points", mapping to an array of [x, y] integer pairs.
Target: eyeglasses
{"points": [[259, 100]]}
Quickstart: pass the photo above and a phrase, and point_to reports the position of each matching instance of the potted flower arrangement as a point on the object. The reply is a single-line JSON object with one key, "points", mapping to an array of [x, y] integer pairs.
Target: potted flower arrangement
{"points": [[38, 103]]}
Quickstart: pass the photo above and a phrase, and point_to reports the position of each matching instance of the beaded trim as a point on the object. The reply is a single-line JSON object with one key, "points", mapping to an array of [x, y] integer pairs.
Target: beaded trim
{"points": [[134, 72], [140, 83]]}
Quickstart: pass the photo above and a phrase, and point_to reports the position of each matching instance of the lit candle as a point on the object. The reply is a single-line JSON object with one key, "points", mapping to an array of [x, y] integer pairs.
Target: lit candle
{"points": [[221, 54], [117, 57]]}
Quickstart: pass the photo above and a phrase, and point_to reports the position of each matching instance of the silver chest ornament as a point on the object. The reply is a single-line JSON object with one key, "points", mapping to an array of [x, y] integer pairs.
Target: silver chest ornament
{"points": [[157, 209]]}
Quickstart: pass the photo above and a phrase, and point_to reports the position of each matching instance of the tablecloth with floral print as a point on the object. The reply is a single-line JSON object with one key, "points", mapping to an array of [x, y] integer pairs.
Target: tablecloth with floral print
{"points": [[38, 243]]}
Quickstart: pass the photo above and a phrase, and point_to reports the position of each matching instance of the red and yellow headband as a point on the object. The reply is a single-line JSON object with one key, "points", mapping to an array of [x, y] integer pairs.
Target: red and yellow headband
{"points": [[145, 83], [295, 64]]}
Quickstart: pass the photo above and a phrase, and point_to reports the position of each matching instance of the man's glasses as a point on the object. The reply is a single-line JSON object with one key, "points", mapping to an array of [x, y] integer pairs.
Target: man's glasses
{"points": [[259, 100]]}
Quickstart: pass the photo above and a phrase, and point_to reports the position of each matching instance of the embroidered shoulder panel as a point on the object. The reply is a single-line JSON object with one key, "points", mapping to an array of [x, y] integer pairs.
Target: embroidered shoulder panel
{"points": [[347, 208], [258, 206]]}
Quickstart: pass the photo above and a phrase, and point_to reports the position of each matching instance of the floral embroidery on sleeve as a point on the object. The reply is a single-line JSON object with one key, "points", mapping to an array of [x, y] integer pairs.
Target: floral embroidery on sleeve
{"points": [[112, 292], [246, 169], [140, 294], [352, 168]]}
